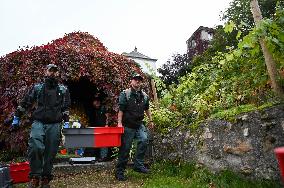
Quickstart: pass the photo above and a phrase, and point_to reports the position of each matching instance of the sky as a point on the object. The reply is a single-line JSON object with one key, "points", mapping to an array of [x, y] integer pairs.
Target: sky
{"points": [[158, 28]]}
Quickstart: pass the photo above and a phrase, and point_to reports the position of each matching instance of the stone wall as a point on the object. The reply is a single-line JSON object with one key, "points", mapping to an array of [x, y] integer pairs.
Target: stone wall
{"points": [[245, 146]]}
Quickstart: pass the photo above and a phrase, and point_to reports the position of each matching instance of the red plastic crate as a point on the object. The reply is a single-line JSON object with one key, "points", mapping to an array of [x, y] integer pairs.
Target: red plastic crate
{"points": [[280, 157], [20, 172], [107, 136]]}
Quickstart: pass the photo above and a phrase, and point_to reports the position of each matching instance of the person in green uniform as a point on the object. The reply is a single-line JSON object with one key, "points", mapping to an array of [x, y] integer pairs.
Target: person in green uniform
{"points": [[133, 102], [53, 103]]}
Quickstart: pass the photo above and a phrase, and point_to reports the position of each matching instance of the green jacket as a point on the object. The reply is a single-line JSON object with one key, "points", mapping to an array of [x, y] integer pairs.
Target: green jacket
{"points": [[133, 105]]}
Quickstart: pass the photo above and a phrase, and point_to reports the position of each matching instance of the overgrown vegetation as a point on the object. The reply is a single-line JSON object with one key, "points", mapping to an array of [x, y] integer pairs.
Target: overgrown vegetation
{"points": [[80, 56], [239, 12], [220, 80], [192, 175]]}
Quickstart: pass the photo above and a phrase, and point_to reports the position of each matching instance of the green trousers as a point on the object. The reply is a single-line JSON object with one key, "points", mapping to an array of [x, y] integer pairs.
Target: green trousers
{"points": [[42, 148]]}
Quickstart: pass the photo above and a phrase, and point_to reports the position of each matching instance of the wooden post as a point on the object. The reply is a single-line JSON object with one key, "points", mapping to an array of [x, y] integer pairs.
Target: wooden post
{"points": [[154, 91], [269, 61]]}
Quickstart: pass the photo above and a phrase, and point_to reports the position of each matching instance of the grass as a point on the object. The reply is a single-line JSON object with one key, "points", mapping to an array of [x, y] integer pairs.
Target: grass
{"points": [[230, 114], [189, 175], [164, 175], [68, 155]]}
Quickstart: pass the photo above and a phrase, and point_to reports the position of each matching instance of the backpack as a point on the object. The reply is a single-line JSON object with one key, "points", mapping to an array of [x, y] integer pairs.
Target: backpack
{"points": [[128, 93], [61, 90]]}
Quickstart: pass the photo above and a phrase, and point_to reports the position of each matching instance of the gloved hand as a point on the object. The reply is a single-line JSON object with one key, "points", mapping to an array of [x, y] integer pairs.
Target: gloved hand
{"points": [[8, 121], [66, 125], [15, 122]]}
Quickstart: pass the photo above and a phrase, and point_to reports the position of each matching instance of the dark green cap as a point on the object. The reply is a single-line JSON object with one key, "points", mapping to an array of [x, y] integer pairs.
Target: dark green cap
{"points": [[52, 67], [137, 76]]}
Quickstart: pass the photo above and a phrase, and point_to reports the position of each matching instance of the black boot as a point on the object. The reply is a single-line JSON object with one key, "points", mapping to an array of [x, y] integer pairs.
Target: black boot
{"points": [[142, 169], [34, 182], [119, 175], [44, 183]]}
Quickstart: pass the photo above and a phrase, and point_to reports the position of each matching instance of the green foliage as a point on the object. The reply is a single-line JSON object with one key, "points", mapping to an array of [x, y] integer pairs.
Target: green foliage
{"points": [[66, 156], [227, 83], [231, 113], [184, 175], [160, 85], [229, 26], [9, 155], [239, 13], [178, 66], [229, 179], [165, 119]]}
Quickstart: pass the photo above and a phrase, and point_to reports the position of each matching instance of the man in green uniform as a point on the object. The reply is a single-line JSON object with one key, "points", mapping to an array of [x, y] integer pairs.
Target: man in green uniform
{"points": [[132, 104], [52, 107]]}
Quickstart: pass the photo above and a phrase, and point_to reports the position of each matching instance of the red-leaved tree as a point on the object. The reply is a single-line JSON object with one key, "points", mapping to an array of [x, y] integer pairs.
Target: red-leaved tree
{"points": [[78, 55]]}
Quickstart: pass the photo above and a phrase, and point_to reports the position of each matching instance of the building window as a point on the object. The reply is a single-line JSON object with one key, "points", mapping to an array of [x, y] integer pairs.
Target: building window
{"points": [[210, 36], [193, 44], [206, 36]]}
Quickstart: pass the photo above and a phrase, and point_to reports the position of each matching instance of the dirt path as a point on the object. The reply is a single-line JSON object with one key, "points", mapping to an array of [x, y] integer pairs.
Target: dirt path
{"points": [[94, 178], [91, 176]]}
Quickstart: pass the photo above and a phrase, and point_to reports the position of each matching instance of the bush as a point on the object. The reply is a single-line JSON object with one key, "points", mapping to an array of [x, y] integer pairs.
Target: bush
{"points": [[79, 56]]}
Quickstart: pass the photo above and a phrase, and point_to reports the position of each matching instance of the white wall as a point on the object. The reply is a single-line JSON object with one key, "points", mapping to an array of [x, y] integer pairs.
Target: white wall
{"points": [[147, 66]]}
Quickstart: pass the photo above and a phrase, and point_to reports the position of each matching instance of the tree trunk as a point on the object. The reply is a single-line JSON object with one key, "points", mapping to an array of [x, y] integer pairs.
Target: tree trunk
{"points": [[154, 91], [269, 61]]}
